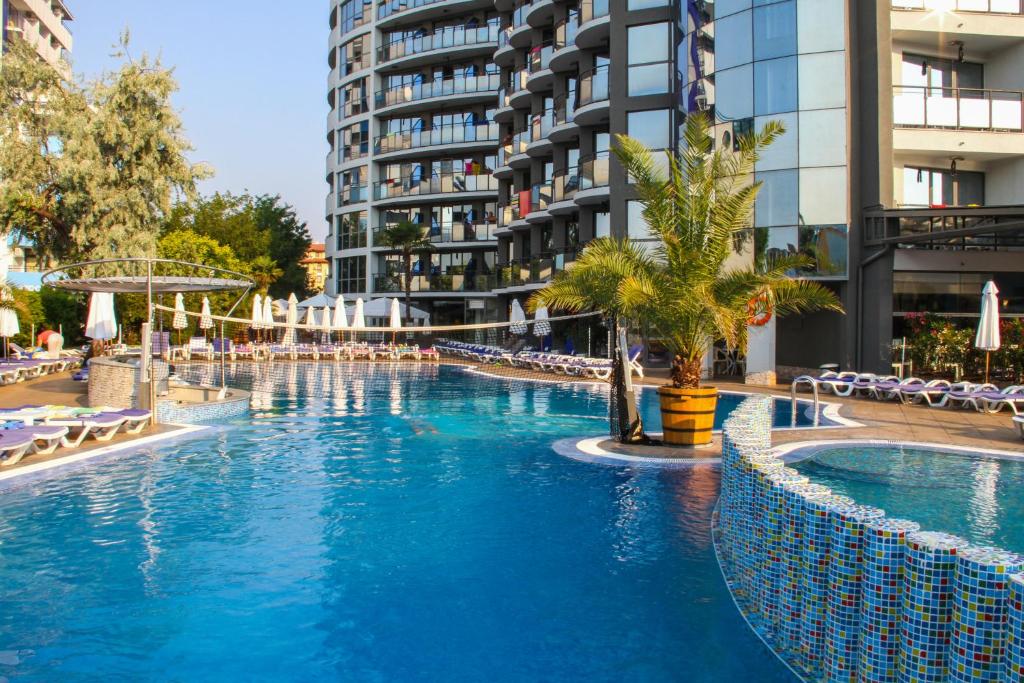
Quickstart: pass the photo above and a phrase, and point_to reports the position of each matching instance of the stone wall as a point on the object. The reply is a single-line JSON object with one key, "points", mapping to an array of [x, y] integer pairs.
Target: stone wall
{"points": [[114, 381], [842, 592]]}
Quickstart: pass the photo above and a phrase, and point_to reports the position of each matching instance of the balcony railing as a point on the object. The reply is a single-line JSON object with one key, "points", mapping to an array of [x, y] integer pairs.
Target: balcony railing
{"points": [[519, 14], [457, 281], [455, 232], [592, 9], [958, 108], [541, 124], [486, 131], [565, 183], [401, 94], [594, 171], [540, 57], [442, 183], [983, 228], [563, 108], [593, 86], [388, 7], [985, 6], [536, 270], [518, 81], [442, 38], [513, 145], [352, 194], [565, 31]]}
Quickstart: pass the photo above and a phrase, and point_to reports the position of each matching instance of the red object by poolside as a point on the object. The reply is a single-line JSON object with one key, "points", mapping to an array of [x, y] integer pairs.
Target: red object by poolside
{"points": [[43, 336]]}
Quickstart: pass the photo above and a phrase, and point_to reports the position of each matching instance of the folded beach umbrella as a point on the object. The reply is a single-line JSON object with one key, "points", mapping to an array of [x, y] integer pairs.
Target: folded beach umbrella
{"points": [[180, 320], [311, 317], [205, 317], [8, 317], [517, 318], [291, 319], [987, 338], [358, 320], [101, 323], [541, 326], [268, 313], [396, 314], [340, 318], [325, 324], [257, 312]]}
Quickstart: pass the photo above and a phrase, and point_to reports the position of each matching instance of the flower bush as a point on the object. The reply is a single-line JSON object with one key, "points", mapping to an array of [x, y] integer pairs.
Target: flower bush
{"points": [[935, 343]]}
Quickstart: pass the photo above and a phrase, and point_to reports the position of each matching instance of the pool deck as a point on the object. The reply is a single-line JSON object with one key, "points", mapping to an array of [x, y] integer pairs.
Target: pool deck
{"points": [[60, 389], [889, 420]]}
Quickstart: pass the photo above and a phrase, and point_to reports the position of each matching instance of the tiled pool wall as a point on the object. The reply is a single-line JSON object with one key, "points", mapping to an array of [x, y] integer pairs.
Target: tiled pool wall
{"points": [[841, 592], [172, 412]]}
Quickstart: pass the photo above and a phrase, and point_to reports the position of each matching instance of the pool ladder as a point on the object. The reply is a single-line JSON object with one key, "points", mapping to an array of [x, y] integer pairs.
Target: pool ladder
{"points": [[793, 401]]}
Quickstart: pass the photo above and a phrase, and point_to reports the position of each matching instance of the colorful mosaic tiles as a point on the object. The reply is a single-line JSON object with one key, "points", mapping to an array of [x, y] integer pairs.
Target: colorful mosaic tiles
{"points": [[843, 593]]}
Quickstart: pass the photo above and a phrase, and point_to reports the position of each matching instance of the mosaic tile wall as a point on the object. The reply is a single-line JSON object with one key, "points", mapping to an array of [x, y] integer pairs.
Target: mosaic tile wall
{"points": [[172, 412], [843, 593]]}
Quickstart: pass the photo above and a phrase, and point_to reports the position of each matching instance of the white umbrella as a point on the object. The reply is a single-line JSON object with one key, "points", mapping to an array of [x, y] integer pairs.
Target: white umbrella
{"points": [[325, 324], [517, 318], [268, 314], [8, 317], [257, 312], [205, 317], [101, 323], [541, 326], [987, 338], [291, 319], [396, 314], [357, 318], [340, 319], [180, 320], [311, 317]]}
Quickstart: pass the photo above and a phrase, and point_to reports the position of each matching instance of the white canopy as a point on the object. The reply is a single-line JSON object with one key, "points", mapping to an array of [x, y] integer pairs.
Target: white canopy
{"points": [[381, 308], [257, 312], [318, 301], [396, 314], [268, 313], [340, 317], [101, 323], [358, 317], [987, 338]]}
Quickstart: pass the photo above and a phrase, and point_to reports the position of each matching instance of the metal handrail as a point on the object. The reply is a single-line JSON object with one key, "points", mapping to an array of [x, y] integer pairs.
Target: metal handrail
{"points": [[794, 400], [924, 106]]}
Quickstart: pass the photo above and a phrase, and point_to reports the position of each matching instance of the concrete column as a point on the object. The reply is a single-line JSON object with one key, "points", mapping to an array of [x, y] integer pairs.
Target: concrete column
{"points": [[761, 354]]}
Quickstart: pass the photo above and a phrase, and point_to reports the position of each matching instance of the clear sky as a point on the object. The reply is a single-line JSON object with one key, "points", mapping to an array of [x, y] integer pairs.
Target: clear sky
{"points": [[253, 77]]}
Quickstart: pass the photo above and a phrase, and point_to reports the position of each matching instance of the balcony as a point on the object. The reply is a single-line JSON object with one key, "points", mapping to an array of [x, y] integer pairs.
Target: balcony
{"points": [[963, 121], [979, 6], [593, 179], [537, 270], [566, 54], [564, 126], [518, 95], [444, 183], [963, 229], [540, 125], [515, 211], [455, 233], [455, 280], [592, 96], [447, 38], [390, 12], [540, 76], [594, 23], [514, 147], [352, 194], [461, 89], [481, 134]]}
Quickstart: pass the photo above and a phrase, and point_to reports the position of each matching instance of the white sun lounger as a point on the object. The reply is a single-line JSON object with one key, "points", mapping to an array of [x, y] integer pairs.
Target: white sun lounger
{"points": [[14, 444], [1018, 420], [101, 426], [1011, 397]]}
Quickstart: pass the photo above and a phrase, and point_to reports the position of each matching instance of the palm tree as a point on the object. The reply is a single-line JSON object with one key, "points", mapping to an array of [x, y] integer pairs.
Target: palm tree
{"points": [[684, 289], [407, 238], [264, 272]]}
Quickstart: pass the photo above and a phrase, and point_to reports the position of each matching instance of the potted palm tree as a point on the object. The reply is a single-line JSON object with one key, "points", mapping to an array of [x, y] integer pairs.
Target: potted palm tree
{"points": [[407, 238], [688, 289]]}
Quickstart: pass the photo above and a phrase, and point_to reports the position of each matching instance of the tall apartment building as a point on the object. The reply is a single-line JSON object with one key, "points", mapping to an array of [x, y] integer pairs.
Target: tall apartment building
{"points": [[900, 174], [43, 23], [413, 92]]}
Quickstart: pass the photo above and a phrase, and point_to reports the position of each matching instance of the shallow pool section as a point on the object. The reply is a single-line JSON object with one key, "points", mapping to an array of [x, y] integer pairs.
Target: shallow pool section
{"points": [[973, 496], [415, 525]]}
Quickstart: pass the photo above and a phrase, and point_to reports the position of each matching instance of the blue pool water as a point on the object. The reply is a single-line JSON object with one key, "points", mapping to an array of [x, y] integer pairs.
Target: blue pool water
{"points": [[977, 498], [416, 525]]}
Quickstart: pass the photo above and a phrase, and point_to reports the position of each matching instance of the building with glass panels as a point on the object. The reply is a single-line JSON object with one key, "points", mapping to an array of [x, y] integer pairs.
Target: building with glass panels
{"points": [[899, 175]]}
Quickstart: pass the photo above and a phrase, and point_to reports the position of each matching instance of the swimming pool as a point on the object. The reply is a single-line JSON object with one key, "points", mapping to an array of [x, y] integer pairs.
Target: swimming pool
{"points": [[972, 496], [415, 525]]}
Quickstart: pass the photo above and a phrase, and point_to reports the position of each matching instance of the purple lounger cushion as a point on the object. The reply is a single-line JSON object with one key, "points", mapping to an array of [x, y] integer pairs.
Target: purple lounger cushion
{"points": [[104, 419], [47, 431], [135, 413], [14, 438]]}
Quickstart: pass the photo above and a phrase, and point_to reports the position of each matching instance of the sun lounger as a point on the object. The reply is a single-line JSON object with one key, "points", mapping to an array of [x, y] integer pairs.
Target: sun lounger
{"points": [[14, 444], [101, 426], [840, 384], [967, 395], [1011, 397], [198, 347], [9, 375], [46, 437], [1018, 420], [135, 419], [931, 392]]}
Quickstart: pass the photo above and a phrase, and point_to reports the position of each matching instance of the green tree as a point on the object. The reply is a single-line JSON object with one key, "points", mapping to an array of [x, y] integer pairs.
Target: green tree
{"points": [[684, 288], [90, 171], [289, 242], [407, 238], [264, 272]]}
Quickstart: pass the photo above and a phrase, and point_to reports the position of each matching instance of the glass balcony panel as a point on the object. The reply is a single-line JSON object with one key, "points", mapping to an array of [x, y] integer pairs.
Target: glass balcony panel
{"points": [[964, 108]]}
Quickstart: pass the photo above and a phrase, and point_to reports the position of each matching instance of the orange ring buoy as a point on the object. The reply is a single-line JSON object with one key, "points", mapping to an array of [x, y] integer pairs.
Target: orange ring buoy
{"points": [[759, 311]]}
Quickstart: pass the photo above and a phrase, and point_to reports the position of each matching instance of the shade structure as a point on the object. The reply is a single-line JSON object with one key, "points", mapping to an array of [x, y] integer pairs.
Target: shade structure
{"points": [[257, 312], [358, 319], [101, 323], [180, 320], [205, 317], [987, 338], [340, 318], [291, 319], [378, 312], [268, 313], [396, 314], [517, 318], [325, 323], [541, 326], [318, 301]]}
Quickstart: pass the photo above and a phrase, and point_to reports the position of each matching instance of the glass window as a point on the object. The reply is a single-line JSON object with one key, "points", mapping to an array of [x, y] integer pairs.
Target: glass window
{"points": [[775, 86], [823, 80], [823, 137], [783, 152], [652, 127], [777, 200], [775, 30], [602, 224], [636, 226], [352, 230], [823, 195], [648, 43], [355, 55], [647, 4], [821, 25], [734, 93], [351, 274], [826, 245], [651, 79], [733, 41]]}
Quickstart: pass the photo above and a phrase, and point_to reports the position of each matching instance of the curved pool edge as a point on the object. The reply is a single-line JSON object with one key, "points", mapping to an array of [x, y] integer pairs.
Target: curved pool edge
{"points": [[744, 614], [588, 450], [798, 451]]}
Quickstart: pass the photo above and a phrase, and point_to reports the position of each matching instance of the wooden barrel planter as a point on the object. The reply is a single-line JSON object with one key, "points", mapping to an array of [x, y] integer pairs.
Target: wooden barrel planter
{"points": [[688, 415]]}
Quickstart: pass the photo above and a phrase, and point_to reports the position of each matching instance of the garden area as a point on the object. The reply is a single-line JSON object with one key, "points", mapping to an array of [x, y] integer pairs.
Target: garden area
{"points": [[943, 347]]}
